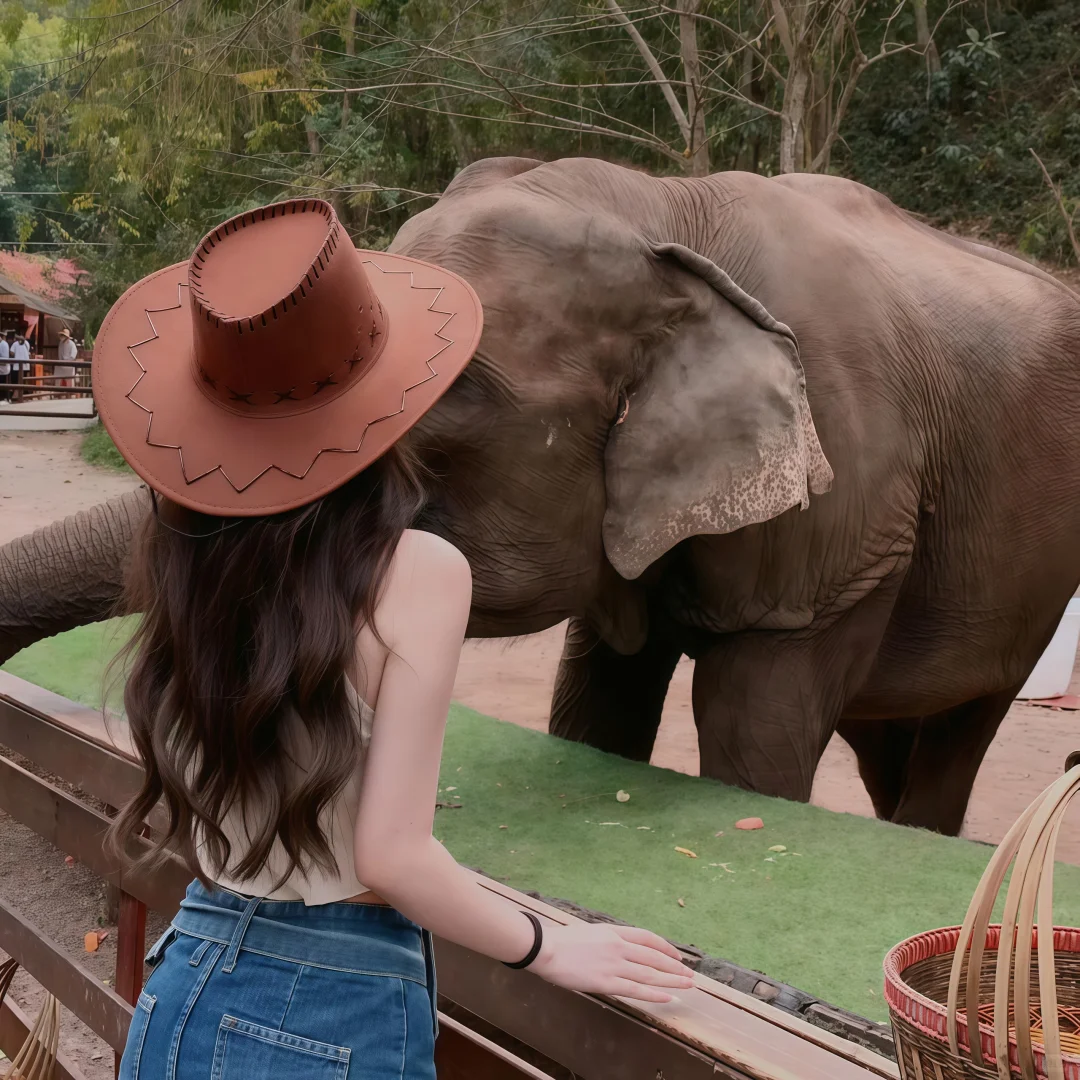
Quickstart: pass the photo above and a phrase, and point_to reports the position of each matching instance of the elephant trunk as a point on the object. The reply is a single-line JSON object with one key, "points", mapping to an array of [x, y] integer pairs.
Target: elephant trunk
{"points": [[68, 573]]}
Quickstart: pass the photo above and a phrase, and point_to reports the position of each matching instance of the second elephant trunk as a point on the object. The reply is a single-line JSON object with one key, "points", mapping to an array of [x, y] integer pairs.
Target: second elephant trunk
{"points": [[68, 573]]}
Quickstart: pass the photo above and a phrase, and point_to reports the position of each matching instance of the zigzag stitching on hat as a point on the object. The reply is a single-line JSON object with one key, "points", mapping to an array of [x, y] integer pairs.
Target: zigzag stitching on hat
{"points": [[437, 289]]}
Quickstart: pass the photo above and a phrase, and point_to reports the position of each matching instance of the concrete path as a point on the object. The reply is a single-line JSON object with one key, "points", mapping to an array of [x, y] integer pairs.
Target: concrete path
{"points": [[14, 417]]}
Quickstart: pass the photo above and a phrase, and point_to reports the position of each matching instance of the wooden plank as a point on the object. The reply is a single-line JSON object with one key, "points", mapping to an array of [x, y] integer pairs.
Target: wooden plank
{"points": [[14, 1028], [738, 1029], [73, 827], [79, 750], [101, 1010], [590, 1036], [69, 714], [104, 774], [462, 1054]]}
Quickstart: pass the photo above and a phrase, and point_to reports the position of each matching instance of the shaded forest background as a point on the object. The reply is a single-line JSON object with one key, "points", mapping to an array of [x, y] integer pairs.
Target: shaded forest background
{"points": [[130, 127]]}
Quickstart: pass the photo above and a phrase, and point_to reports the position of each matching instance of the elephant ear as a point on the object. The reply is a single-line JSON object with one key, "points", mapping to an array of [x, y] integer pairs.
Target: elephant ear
{"points": [[718, 435]]}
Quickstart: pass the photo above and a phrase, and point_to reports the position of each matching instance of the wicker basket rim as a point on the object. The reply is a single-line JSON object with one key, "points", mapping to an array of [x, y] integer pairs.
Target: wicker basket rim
{"points": [[908, 1002]]}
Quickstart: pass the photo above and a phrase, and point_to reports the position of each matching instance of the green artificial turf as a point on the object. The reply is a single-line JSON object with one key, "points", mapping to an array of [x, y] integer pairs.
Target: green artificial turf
{"points": [[74, 664], [819, 914]]}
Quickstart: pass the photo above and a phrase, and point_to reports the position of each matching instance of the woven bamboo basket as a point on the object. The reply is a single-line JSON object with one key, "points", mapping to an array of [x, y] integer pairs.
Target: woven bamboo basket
{"points": [[36, 1060], [1020, 980]]}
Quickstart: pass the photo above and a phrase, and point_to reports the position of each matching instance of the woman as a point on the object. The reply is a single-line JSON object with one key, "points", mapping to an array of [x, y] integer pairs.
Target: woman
{"points": [[66, 352], [292, 672]]}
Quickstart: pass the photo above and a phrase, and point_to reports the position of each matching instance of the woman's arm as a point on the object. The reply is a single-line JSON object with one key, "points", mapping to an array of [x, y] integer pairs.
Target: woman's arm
{"points": [[426, 608]]}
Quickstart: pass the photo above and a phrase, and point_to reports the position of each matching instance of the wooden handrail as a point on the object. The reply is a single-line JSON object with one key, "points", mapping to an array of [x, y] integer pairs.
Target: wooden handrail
{"points": [[711, 1031]]}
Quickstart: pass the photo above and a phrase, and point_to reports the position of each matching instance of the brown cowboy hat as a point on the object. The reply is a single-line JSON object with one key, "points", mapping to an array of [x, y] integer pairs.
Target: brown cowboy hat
{"points": [[64, 332], [278, 362]]}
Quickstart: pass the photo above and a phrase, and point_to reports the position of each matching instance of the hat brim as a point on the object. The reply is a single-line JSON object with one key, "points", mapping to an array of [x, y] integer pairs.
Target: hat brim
{"points": [[208, 457]]}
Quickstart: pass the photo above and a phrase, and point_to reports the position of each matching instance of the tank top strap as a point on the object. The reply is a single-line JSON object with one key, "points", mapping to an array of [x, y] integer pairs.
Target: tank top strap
{"points": [[365, 711]]}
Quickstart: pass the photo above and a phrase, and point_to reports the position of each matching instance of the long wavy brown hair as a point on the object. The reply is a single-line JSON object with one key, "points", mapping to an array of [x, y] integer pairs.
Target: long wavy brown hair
{"points": [[249, 626]]}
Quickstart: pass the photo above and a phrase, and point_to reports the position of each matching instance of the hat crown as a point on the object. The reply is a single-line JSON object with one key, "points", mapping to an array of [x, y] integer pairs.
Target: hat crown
{"points": [[282, 308]]}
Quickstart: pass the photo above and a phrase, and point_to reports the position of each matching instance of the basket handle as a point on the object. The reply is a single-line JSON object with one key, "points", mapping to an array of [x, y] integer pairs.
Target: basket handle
{"points": [[1031, 841], [982, 903], [37, 1056], [1038, 887], [1026, 870]]}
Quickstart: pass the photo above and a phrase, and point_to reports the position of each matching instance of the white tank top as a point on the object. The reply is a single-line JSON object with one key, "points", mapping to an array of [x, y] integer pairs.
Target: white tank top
{"points": [[338, 821]]}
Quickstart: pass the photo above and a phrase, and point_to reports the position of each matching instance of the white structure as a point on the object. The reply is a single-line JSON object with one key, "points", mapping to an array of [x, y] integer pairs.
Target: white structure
{"points": [[1053, 672]]}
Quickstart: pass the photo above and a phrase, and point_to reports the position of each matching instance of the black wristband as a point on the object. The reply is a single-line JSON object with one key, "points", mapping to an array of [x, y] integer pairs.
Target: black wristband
{"points": [[538, 942]]}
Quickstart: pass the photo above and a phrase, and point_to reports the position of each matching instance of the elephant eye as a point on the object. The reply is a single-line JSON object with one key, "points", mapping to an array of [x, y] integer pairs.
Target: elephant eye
{"points": [[624, 407]]}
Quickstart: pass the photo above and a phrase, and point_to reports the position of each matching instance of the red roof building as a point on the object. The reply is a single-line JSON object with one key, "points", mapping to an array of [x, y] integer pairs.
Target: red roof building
{"points": [[33, 300]]}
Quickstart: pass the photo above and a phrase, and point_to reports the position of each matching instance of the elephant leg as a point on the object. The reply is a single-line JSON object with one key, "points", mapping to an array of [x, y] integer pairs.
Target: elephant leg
{"points": [[883, 749], [607, 700], [766, 703], [948, 750]]}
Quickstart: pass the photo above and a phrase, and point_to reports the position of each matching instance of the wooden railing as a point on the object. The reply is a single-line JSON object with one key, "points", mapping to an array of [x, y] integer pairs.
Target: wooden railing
{"points": [[31, 387], [711, 1031]]}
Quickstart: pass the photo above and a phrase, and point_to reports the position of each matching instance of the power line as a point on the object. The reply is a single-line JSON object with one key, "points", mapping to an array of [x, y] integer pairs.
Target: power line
{"points": [[64, 243]]}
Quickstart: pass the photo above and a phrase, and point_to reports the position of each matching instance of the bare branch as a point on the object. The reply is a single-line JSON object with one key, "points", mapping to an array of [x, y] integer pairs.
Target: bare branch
{"points": [[550, 122], [659, 77], [858, 66], [1061, 205], [740, 39], [697, 146], [783, 30]]}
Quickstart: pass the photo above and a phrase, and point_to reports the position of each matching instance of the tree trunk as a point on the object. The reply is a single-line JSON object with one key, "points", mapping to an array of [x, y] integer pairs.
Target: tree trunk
{"points": [[746, 152], [698, 145], [457, 135], [821, 119], [922, 36], [350, 52], [793, 112], [296, 57]]}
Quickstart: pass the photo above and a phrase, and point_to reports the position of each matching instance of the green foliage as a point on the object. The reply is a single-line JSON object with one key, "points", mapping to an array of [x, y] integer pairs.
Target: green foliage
{"points": [[955, 146], [138, 128], [98, 449]]}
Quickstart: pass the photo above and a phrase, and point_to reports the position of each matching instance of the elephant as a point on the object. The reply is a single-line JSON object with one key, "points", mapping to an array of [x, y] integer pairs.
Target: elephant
{"points": [[776, 425]]}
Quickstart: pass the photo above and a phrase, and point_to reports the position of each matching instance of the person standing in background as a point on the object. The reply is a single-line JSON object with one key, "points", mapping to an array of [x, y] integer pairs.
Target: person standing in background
{"points": [[66, 352], [5, 369], [16, 368], [21, 351]]}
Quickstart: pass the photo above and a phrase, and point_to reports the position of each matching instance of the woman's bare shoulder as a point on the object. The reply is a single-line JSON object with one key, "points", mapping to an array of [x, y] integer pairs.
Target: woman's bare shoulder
{"points": [[424, 607], [425, 553], [429, 579]]}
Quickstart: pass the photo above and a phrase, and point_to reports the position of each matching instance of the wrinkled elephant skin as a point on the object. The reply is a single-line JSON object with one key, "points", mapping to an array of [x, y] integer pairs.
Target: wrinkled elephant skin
{"points": [[773, 424]]}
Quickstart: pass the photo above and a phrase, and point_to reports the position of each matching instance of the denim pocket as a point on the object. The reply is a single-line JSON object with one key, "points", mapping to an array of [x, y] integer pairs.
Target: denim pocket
{"points": [[140, 1021], [246, 1051]]}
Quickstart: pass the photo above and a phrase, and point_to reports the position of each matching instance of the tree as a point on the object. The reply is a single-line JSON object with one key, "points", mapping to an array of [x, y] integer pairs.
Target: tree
{"points": [[822, 44], [809, 54], [924, 39], [691, 119], [158, 121]]}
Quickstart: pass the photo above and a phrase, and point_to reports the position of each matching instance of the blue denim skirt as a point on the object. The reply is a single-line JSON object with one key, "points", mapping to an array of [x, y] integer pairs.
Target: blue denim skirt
{"points": [[268, 990]]}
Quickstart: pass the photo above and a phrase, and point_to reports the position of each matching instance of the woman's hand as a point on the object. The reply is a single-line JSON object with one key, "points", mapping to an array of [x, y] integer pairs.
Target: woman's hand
{"points": [[620, 961]]}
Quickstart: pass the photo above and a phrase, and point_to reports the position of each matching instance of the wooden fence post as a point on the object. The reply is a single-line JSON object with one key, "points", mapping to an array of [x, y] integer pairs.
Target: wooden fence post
{"points": [[130, 949]]}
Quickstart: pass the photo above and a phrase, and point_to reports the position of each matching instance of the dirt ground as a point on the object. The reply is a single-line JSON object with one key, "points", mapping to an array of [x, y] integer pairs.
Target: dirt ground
{"points": [[43, 478]]}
